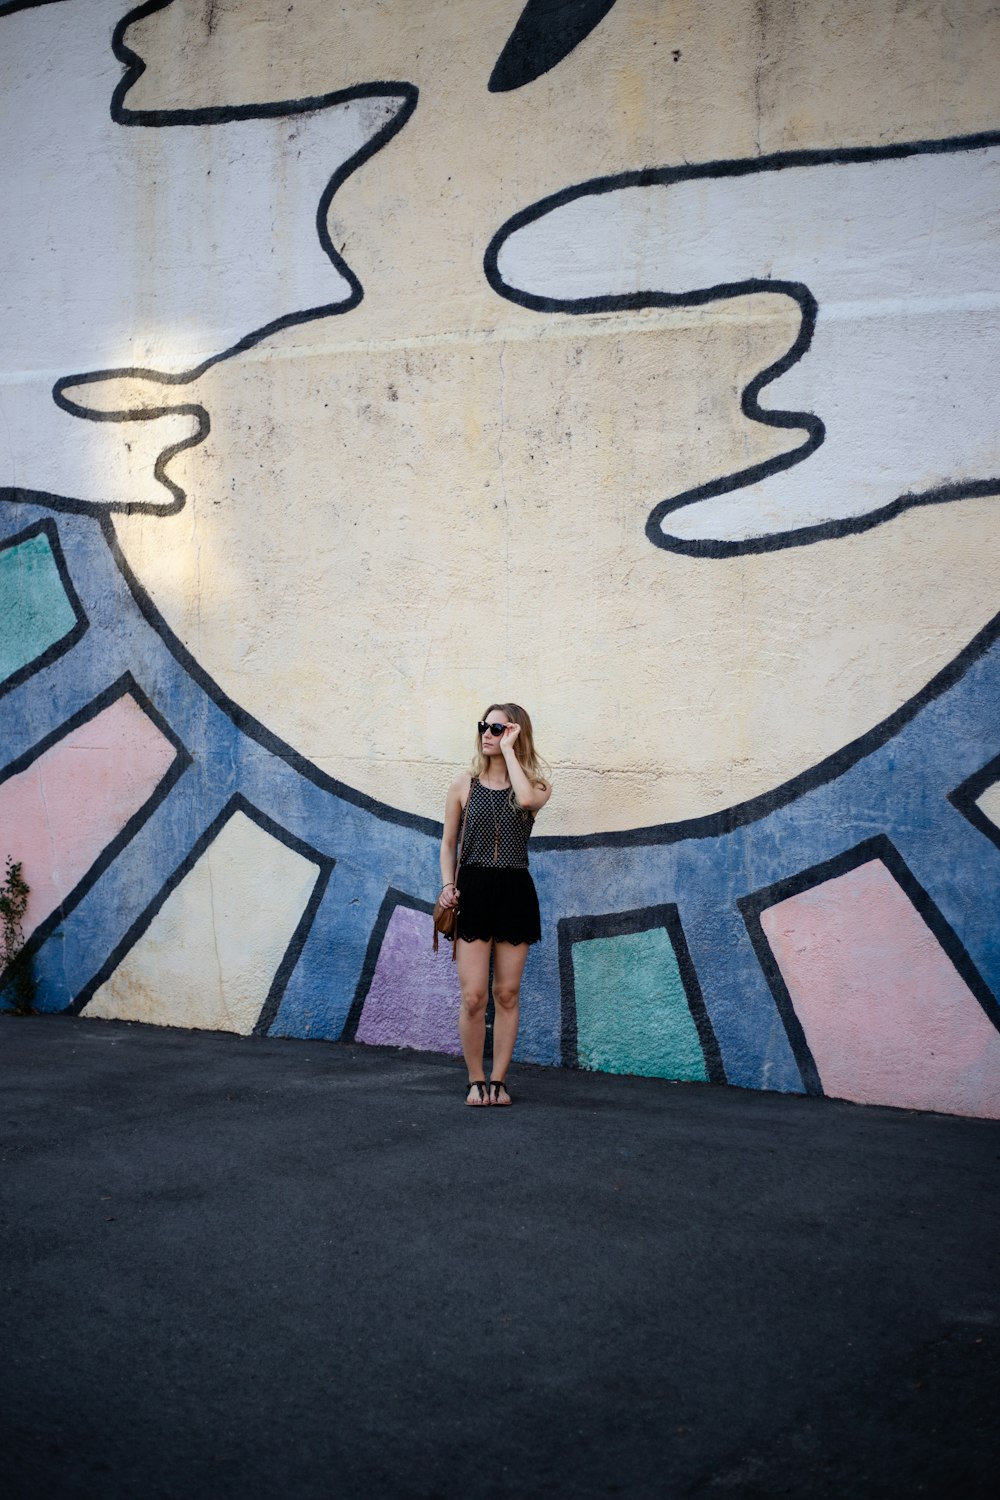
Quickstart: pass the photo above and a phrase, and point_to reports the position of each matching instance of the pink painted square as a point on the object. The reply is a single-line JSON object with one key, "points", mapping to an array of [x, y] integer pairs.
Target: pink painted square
{"points": [[60, 813], [888, 1018], [414, 997]]}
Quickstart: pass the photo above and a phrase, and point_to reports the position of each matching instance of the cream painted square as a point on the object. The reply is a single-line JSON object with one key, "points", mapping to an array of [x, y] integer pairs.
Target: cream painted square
{"points": [[209, 955]]}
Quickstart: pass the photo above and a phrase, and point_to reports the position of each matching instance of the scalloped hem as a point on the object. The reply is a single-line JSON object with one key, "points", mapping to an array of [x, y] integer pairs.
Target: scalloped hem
{"points": [[491, 937]]}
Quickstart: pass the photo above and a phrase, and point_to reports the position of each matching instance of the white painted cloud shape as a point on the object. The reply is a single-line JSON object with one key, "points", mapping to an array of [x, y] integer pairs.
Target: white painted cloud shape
{"points": [[900, 253], [142, 247]]}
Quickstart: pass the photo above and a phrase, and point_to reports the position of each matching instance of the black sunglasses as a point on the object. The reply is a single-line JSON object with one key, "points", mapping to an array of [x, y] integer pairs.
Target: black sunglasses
{"points": [[496, 729]]}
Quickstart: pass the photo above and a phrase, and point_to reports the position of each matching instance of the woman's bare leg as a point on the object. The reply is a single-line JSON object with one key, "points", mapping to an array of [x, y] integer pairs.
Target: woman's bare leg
{"points": [[508, 966], [474, 978]]}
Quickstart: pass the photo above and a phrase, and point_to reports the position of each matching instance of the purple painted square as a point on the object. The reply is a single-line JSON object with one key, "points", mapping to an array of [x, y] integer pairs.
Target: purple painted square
{"points": [[414, 995]]}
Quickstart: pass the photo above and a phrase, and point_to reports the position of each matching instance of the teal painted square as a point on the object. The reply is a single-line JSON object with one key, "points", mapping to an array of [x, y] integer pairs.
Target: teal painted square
{"points": [[632, 1013], [35, 611]]}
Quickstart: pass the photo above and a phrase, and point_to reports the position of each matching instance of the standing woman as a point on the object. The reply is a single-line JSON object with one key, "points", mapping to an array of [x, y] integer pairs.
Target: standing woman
{"points": [[494, 893]]}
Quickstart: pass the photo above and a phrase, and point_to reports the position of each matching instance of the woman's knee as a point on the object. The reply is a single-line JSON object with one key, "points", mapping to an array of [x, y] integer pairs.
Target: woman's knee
{"points": [[474, 1002], [506, 996]]}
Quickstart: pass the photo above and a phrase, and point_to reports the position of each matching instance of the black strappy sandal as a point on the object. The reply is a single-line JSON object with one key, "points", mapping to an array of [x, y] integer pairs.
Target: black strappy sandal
{"points": [[496, 1084], [479, 1084]]}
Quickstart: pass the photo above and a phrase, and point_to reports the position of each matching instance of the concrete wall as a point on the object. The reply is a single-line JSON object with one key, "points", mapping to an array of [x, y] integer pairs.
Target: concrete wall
{"points": [[362, 363]]}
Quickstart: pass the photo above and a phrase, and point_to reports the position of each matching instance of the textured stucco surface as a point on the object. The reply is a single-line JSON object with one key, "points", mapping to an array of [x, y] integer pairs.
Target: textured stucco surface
{"points": [[656, 393]]}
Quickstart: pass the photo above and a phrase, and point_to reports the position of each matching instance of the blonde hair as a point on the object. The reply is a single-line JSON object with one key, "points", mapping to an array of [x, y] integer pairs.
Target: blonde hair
{"points": [[528, 758]]}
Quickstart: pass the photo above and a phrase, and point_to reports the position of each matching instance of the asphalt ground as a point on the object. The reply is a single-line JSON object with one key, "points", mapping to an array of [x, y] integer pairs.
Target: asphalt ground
{"points": [[259, 1268]]}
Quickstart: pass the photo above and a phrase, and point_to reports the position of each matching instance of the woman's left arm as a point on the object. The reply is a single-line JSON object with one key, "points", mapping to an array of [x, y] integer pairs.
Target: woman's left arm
{"points": [[532, 798]]}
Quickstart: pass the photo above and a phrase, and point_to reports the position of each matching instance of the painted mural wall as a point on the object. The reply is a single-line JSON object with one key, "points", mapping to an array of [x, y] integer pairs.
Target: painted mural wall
{"points": [[362, 363]]}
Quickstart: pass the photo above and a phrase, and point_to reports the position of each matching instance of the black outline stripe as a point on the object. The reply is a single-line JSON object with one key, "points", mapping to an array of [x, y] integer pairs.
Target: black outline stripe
{"points": [[880, 847], [749, 403], [236, 803], [966, 795], [12, 6], [546, 32], [293, 952], [709, 825], [829, 769], [390, 901], [47, 527], [124, 686], [571, 930], [245, 721]]}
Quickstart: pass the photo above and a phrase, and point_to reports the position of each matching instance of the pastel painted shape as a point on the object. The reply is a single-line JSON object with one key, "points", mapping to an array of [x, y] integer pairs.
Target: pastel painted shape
{"points": [[887, 1017], [35, 611], [208, 958], [60, 813], [989, 803], [414, 996], [632, 1012]]}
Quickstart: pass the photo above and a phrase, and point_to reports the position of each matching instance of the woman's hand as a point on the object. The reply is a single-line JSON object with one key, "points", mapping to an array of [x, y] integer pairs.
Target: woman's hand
{"points": [[510, 734], [449, 895]]}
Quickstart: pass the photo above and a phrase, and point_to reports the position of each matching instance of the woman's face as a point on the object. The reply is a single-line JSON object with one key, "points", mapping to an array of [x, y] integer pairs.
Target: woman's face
{"points": [[489, 741]]}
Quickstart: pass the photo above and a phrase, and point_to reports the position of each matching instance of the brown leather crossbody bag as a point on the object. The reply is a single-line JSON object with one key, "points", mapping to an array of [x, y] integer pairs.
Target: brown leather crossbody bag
{"points": [[446, 917]]}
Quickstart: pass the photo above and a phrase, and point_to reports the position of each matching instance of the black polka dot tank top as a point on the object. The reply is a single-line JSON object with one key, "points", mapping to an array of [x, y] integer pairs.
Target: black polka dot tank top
{"points": [[495, 832]]}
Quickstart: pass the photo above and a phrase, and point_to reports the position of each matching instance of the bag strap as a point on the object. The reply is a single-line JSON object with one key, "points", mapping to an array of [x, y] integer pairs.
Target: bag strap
{"points": [[465, 824]]}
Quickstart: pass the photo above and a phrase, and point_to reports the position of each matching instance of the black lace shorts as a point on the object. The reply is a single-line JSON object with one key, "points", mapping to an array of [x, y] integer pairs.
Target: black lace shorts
{"points": [[498, 904]]}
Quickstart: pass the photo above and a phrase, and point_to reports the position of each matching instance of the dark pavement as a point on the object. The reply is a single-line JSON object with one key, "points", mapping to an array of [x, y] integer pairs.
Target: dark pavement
{"points": [[260, 1268]]}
